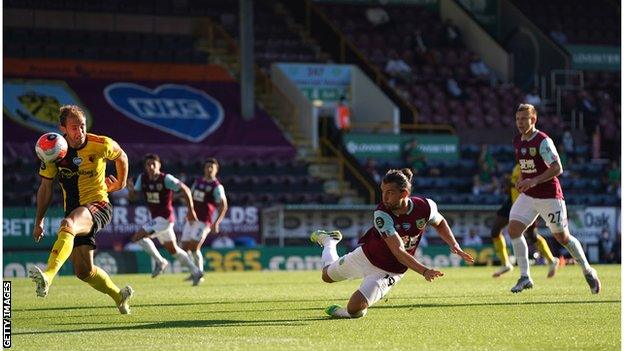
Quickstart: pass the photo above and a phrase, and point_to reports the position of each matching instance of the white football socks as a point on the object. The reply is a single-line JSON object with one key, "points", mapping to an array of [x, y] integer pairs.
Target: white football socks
{"points": [[148, 245], [521, 251], [184, 258], [330, 255], [198, 259], [576, 250]]}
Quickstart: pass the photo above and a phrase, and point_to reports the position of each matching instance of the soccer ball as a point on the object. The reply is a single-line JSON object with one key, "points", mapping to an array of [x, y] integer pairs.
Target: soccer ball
{"points": [[51, 147]]}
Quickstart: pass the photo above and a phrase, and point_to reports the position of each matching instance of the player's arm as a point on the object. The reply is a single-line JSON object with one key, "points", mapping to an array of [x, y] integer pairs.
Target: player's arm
{"points": [[385, 226], [221, 209], [437, 221], [444, 231], [551, 157], [395, 244], [188, 197], [114, 152], [133, 188], [44, 197], [121, 167]]}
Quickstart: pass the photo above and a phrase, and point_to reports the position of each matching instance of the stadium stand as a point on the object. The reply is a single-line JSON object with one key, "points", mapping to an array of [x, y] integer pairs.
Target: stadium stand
{"points": [[433, 63]]}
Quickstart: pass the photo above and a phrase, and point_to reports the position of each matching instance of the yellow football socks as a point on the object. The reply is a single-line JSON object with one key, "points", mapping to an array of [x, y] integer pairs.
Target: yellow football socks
{"points": [[101, 281], [500, 247], [542, 246], [61, 251]]}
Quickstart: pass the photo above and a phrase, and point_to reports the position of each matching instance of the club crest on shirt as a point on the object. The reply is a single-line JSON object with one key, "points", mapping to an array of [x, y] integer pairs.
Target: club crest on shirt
{"points": [[159, 187], [420, 223], [77, 161], [406, 226], [523, 151], [532, 151], [379, 222]]}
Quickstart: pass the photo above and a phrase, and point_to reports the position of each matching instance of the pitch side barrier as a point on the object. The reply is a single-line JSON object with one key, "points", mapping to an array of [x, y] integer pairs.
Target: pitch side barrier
{"points": [[290, 224], [261, 258]]}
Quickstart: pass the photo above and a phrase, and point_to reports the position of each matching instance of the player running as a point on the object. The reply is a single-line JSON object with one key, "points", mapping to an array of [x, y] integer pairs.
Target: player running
{"points": [[540, 194], [157, 188], [81, 174], [387, 249], [208, 195], [531, 234]]}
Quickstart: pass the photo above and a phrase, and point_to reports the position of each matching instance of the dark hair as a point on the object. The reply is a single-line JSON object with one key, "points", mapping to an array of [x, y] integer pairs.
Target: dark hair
{"points": [[211, 160], [66, 111], [401, 177], [148, 157]]}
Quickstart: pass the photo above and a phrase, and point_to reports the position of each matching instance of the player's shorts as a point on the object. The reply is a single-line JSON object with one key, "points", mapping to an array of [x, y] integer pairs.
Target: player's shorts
{"points": [[377, 282], [101, 214], [504, 210], [161, 229], [196, 230], [553, 211]]}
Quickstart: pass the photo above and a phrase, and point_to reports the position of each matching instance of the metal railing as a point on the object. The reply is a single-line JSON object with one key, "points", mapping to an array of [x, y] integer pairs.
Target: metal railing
{"points": [[345, 165], [217, 38]]}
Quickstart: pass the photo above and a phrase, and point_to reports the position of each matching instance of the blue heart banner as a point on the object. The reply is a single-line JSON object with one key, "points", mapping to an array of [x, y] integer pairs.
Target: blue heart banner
{"points": [[179, 110], [177, 120]]}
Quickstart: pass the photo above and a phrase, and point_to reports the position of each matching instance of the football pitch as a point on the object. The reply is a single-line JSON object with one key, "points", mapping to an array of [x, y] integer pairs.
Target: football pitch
{"points": [[464, 310]]}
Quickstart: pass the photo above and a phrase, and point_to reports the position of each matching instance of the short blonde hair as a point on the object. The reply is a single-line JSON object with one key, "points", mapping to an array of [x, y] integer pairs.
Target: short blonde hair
{"points": [[527, 107]]}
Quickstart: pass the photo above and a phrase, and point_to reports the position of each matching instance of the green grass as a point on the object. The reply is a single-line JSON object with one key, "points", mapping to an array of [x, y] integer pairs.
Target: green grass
{"points": [[464, 310]]}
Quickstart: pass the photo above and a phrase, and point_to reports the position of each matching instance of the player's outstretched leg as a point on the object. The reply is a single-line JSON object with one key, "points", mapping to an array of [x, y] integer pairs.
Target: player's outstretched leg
{"points": [[328, 240]]}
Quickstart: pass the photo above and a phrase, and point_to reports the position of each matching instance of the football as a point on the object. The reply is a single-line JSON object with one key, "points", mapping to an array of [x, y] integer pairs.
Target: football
{"points": [[51, 147]]}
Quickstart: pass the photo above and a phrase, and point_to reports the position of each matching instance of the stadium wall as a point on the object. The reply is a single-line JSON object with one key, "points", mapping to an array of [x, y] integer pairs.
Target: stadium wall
{"points": [[372, 109]]}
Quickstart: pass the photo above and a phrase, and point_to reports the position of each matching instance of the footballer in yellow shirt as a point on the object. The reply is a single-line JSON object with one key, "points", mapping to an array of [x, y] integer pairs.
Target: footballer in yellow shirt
{"points": [[85, 187]]}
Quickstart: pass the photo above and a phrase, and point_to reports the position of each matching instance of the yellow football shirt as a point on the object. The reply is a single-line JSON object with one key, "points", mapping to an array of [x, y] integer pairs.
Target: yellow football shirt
{"points": [[81, 172]]}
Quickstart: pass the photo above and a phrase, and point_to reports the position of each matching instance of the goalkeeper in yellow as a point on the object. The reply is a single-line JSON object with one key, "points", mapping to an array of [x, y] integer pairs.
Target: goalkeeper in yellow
{"points": [[498, 239], [85, 187]]}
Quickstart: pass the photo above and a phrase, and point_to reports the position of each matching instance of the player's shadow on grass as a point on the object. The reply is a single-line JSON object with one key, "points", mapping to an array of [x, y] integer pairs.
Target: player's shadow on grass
{"points": [[206, 323], [177, 304], [437, 305]]}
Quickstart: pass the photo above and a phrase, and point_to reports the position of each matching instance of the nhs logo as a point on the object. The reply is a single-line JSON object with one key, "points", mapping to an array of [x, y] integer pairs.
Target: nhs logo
{"points": [[180, 110]]}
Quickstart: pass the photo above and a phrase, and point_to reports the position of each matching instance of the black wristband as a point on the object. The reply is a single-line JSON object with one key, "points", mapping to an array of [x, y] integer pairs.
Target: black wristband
{"points": [[425, 271]]}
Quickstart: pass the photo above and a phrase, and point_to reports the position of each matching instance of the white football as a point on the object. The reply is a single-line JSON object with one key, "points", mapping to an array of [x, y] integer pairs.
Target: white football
{"points": [[51, 147]]}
